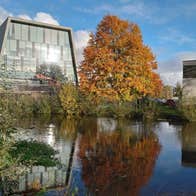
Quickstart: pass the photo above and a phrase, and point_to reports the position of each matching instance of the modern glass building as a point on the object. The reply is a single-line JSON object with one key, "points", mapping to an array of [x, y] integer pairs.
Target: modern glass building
{"points": [[37, 54]]}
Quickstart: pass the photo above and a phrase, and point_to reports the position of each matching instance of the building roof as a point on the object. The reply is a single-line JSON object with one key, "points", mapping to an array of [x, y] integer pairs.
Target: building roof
{"points": [[35, 23], [189, 62]]}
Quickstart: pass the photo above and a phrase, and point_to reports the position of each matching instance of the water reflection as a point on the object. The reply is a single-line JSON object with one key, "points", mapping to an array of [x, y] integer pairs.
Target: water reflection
{"points": [[100, 156], [117, 162], [189, 145]]}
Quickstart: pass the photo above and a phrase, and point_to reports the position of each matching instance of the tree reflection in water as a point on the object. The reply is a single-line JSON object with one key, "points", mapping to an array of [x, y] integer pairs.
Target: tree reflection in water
{"points": [[117, 163]]}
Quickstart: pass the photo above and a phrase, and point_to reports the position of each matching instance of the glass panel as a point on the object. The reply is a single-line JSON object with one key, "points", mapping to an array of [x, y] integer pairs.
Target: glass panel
{"points": [[24, 32], [54, 54], [43, 53], [28, 49], [21, 48], [40, 34], [17, 31], [54, 37], [21, 44], [13, 45], [8, 45], [10, 33], [33, 33], [37, 50], [61, 38], [47, 36], [67, 54], [66, 39]]}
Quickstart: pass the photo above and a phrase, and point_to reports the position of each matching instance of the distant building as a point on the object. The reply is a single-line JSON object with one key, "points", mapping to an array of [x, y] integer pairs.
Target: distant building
{"points": [[37, 54], [189, 78]]}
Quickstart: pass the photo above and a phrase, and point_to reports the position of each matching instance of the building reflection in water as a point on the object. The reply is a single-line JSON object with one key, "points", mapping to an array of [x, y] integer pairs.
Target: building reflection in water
{"points": [[61, 135], [189, 145]]}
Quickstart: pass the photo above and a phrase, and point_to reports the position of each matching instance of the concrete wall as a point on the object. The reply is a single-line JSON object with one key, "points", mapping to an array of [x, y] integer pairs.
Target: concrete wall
{"points": [[189, 87], [189, 79]]}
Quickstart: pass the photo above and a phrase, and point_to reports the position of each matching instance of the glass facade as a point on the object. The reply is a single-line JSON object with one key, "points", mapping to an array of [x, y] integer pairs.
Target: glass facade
{"points": [[35, 52]]}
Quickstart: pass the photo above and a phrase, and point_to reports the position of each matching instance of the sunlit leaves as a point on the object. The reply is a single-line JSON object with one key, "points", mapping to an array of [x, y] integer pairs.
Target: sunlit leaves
{"points": [[117, 65]]}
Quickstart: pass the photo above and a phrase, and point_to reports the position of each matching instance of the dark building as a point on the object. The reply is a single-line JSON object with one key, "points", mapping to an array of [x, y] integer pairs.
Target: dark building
{"points": [[189, 78]]}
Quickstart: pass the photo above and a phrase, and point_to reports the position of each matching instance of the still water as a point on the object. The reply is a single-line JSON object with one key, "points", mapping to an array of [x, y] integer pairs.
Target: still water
{"points": [[104, 156]]}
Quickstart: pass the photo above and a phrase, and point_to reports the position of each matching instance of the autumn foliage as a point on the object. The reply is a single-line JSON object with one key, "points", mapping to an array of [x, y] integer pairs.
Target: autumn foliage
{"points": [[117, 164], [117, 65]]}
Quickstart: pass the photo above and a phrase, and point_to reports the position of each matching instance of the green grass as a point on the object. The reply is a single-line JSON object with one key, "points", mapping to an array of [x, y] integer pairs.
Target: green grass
{"points": [[168, 112]]}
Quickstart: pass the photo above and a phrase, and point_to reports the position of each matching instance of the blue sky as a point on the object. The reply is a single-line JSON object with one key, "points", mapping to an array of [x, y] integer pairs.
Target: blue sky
{"points": [[168, 27]]}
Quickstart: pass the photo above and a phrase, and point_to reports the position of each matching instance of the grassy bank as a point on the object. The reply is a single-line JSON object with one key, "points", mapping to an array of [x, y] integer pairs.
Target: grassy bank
{"points": [[70, 102], [21, 105]]}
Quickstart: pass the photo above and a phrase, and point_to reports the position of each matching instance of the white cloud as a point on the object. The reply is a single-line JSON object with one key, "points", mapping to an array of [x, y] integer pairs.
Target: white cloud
{"points": [[4, 14], [45, 17], [177, 37], [171, 78], [81, 38], [133, 8], [40, 17], [24, 16], [171, 70], [137, 9]]}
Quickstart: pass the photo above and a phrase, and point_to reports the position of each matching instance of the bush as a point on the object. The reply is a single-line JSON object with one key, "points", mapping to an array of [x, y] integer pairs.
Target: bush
{"points": [[22, 105], [69, 97], [188, 108], [34, 152], [42, 105]]}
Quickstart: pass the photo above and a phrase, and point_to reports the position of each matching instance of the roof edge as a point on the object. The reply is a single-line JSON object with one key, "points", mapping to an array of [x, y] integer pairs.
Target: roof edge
{"points": [[36, 23]]}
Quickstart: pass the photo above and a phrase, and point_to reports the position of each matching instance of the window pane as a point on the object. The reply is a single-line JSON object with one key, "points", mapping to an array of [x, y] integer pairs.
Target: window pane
{"points": [[24, 32], [66, 39], [21, 48], [67, 54], [33, 33], [37, 50], [7, 45], [61, 38], [39, 34], [11, 32], [43, 53], [54, 36], [47, 36], [17, 31], [13, 45], [28, 49]]}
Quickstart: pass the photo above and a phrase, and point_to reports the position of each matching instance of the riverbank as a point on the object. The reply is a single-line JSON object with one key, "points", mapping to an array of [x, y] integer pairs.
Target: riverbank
{"points": [[51, 104]]}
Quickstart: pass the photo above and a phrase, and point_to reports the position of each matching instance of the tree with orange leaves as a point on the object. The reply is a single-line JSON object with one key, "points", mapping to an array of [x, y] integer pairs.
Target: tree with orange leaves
{"points": [[117, 65]]}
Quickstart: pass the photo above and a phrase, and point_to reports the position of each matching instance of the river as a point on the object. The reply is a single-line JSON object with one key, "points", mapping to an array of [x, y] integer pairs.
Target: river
{"points": [[104, 156]]}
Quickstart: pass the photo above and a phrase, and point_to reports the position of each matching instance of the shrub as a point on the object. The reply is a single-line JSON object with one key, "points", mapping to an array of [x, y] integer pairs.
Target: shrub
{"points": [[34, 152], [69, 97], [42, 105], [188, 108]]}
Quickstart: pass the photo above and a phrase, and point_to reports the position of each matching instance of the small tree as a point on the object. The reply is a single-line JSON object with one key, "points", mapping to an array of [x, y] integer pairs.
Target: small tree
{"points": [[167, 92], [178, 91], [69, 98]]}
